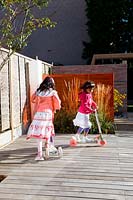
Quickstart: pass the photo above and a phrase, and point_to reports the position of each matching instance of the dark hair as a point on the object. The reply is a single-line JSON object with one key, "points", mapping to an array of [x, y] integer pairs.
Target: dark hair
{"points": [[88, 84], [47, 83]]}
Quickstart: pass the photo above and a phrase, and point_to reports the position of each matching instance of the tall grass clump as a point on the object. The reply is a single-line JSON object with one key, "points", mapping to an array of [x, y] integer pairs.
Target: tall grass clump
{"points": [[70, 95], [64, 118], [103, 97]]}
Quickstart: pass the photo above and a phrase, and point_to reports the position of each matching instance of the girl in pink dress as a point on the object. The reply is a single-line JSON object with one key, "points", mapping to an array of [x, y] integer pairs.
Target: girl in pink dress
{"points": [[87, 106], [46, 101]]}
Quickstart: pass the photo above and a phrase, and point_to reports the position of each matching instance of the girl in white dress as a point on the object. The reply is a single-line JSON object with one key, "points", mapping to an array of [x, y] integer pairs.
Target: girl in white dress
{"points": [[87, 106]]}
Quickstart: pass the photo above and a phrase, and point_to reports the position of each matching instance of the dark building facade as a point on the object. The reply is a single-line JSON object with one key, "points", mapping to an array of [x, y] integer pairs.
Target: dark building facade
{"points": [[62, 45]]}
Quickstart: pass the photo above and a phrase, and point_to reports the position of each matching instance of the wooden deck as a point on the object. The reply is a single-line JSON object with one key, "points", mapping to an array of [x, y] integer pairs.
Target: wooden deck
{"points": [[84, 172]]}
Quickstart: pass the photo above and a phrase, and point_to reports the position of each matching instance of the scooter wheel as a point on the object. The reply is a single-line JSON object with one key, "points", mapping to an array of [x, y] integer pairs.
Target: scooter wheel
{"points": [[102, 142], [46, 153], [60, 152], [73, 142]]}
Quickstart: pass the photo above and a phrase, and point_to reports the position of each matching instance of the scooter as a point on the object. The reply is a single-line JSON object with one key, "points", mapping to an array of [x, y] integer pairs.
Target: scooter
{"points": [[53, 152], [97, 140], [99, 137]]}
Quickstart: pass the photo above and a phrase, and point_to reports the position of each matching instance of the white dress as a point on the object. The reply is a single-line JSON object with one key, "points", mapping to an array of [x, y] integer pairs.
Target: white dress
{"points": [[82, 120]]}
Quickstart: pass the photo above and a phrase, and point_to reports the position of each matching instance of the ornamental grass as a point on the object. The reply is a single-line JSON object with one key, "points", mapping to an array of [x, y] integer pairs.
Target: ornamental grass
{"points": [[103, 97], [70, 95]]}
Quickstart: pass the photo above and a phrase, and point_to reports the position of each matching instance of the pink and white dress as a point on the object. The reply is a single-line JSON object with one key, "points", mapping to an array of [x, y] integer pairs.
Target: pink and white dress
{"points": [[46, 103], [87, 107]]}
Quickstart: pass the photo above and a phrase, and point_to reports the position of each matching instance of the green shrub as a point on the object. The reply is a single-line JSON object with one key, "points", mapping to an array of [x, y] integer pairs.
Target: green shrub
{"points": [[107, 126], [64, 123], [118, 100]]}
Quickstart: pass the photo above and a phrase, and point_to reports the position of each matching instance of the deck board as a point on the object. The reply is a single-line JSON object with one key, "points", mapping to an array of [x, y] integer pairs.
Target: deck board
{"points": [[84, 172]]}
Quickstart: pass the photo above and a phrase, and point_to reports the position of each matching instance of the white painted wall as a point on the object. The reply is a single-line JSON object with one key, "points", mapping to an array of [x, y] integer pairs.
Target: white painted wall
{"points": [[35, 74], [15, 84]]}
